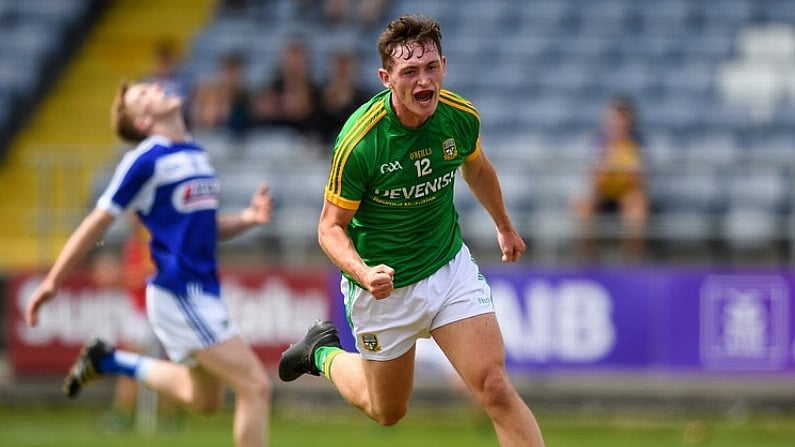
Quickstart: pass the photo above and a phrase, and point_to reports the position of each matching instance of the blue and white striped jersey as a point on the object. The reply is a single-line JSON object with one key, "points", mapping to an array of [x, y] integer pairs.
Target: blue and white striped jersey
{"points": [[174, 190]]}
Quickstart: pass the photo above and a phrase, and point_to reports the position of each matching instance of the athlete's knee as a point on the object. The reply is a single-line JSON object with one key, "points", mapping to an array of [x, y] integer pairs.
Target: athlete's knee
{"points": [[259, 388], [206, 405], [494, 390], [390, 416]]}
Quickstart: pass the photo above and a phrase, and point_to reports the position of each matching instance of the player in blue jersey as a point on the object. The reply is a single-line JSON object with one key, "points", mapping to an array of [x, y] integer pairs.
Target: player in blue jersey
{"points": [[169, 182]]}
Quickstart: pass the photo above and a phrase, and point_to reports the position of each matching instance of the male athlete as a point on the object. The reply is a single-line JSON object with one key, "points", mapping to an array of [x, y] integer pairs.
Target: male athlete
{"points": [[170, 184], [389, 224]]}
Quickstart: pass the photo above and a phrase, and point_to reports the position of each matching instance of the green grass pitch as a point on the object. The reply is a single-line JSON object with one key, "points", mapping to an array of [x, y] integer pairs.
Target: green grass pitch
{"points": [[74, 425]]}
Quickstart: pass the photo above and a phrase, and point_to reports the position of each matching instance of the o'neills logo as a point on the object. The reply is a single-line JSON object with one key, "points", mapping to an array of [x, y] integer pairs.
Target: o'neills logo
{"points": [[370, 342], [197, 194], [449, 150]]}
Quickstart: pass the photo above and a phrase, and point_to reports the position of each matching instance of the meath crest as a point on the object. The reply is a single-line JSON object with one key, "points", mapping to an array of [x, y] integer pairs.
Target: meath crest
{"points": [[449, 150], [370, 342]]}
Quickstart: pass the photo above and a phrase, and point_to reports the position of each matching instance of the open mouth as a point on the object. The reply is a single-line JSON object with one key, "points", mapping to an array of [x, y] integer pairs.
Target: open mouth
{"points": [[424, 96]]}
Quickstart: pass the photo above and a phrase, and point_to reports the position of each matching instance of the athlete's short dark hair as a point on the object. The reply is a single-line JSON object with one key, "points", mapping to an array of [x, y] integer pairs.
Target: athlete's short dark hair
{"points": [[407, 30]]}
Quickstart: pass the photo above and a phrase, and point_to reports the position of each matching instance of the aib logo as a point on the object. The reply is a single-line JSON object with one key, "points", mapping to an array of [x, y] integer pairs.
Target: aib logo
{"points": [[744, 322], [391, 167]]}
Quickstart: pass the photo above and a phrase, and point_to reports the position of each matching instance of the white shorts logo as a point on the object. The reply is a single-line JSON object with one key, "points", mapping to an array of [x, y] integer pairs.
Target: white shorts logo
{"points": [[370, 342]]}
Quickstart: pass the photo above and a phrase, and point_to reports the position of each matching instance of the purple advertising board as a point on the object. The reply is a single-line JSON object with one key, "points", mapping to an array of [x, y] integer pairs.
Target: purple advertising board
{"points": [[640, 319], [666, 319]]}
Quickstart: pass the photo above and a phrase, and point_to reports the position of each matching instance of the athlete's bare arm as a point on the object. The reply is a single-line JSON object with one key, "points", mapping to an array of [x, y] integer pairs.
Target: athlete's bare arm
{"points": [[257, 213], [77, 247], [482, 179], [333, 239]]}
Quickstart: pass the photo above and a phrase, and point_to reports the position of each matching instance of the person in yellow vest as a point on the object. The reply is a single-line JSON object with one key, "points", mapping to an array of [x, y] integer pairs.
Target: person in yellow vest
{"points": [[617, 184]]}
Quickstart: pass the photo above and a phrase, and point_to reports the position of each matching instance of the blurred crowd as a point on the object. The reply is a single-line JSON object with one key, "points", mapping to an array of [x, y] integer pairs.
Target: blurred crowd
{"points": [[290, 98], [295, 97], [312, 102]]}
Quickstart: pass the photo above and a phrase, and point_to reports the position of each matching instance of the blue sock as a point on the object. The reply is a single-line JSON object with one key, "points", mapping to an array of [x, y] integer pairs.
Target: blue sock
{"points": [[120, 362]]}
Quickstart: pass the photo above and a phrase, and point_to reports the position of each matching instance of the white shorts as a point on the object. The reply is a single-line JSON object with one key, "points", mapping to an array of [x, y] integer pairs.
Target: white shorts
{"points": [[386, 329], [185, 325]]}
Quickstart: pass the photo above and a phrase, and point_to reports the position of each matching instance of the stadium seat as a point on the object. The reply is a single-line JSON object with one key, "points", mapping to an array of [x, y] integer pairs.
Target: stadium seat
{"points": [[767, 43], [770, 148], [664, 18], [726, 14], [776, 11], [649, 48], [660, 150], [757, 85], [296, 227], [689, 78], [556, 189], [749, 228], [688, 188], [554, 233], [765, 189], [542, 16], [715, 148], [602, 17], [571, 78], [634, 79]]}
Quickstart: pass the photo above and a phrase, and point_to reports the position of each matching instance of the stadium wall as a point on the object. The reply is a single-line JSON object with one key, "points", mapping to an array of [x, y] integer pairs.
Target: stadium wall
{"points": [[704, 321]]}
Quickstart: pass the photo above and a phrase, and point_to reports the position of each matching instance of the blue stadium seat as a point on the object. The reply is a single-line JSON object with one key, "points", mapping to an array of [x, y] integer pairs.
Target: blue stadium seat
{"points": [[689, 78], [16, 79], [603, 17], [636, 80], [710, 148], [776, 11], [746, 228], [671, 113], [57, 14], [587, 49], [759, 199], [548, 113], [555, 188], [767, 189], [769, 148], [687, 206], [659, 50], [572, 78], [708, 46], [726, 14], [666, 18], [477, 14], [542, 16], [660, 150], [688, 189]]}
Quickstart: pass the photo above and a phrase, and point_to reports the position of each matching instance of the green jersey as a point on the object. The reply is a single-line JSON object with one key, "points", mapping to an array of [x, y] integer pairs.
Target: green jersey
{"points": [[400, 183]]}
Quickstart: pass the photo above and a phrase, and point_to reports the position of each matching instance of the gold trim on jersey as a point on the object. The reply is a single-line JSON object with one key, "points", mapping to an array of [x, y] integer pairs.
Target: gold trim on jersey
{"points": [[453, 100], [342, 202], [474, 153], [352, 138]]}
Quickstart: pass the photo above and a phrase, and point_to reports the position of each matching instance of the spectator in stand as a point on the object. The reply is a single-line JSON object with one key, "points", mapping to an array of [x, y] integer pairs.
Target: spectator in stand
{"points": [[617, 184], [168, 74], [341, 95], [365, 13], [223, 102], [290, 98]]}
